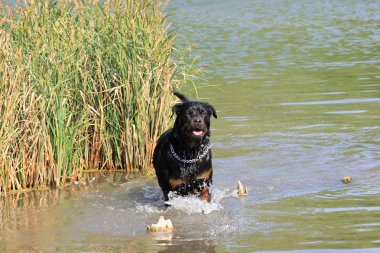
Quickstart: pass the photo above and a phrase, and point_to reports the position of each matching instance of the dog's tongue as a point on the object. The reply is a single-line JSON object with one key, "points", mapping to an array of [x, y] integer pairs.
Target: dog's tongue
{"points": [[196, 132]]}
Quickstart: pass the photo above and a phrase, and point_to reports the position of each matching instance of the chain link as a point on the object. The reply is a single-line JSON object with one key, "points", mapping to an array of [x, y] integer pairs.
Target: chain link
{"points": [[198, 158]]}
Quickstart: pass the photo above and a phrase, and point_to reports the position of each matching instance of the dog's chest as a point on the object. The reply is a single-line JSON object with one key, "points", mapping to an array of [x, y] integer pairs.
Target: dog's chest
{"points": [[189, 171], [190, 164]]}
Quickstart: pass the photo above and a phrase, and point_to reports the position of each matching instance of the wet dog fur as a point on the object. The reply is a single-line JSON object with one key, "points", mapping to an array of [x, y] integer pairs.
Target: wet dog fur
{"points": [[190, 141]]}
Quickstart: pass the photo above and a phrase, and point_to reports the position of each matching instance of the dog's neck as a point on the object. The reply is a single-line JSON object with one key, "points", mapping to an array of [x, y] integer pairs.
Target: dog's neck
{"points": [[195, 144]]}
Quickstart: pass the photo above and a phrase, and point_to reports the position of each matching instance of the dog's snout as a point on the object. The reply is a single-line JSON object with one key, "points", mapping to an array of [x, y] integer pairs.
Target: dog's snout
{"points": [[197, 120]]}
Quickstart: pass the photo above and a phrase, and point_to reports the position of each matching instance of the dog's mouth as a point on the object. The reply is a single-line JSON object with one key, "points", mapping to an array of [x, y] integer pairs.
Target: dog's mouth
{"points": [[198, 132]]}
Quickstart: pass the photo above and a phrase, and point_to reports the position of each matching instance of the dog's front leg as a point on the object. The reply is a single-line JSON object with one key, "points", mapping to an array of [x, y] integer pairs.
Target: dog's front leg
{"points": [[205, 194]]}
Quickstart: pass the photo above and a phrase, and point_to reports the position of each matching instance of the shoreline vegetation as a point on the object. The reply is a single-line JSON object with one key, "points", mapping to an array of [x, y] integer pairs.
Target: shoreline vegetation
{"points": [[84, 87]]}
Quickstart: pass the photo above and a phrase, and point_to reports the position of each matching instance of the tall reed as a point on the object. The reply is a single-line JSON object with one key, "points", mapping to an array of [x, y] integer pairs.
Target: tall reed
{"points": [[83, 86]]}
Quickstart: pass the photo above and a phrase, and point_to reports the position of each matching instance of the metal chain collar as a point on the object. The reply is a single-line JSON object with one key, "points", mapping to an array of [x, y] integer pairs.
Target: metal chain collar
{"points": [[198, 158]]}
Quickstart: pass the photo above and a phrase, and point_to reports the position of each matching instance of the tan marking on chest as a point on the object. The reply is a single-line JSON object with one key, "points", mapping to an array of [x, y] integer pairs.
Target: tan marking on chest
{"points": [[205, 175], [175, 182]]}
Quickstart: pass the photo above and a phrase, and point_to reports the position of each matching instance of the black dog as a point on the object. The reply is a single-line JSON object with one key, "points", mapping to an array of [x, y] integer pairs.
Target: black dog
{"points": [[182, 157]]}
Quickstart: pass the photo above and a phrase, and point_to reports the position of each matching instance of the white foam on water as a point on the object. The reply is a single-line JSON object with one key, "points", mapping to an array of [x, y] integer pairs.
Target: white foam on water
{"points": [[192, 204], [148, 208]]}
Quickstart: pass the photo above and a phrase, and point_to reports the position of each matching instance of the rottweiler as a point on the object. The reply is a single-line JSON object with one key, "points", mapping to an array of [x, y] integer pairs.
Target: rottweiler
{"points": [[182, 156]]}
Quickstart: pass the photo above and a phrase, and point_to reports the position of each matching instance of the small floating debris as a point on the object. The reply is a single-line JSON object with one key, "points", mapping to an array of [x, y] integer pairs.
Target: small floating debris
{"points": [[241, 190], [161, 226], [346, 179]]}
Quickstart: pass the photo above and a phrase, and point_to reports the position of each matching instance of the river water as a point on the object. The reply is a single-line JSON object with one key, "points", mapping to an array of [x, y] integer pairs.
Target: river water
{"points": [[296, 85]]}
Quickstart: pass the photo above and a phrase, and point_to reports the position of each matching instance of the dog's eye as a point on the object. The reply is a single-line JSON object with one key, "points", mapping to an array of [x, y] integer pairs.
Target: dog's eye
{"points": [[190, 112], [201, 111]]}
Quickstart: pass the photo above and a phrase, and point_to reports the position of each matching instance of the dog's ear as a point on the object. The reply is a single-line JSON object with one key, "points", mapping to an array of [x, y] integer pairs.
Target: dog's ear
{"points": [[175, 109], [211, 110], [180, 96]]}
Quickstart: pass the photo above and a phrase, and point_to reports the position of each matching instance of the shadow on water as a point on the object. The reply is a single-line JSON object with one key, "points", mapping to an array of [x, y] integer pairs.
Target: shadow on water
{"points": [[103, 215]]}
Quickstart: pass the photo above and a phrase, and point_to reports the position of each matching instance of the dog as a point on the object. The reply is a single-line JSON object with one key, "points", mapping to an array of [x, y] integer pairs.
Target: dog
{"points": [[182, 156]]}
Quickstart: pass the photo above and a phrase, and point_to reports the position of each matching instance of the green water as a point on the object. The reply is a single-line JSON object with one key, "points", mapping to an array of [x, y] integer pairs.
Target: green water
{"points": [[296, 85]]}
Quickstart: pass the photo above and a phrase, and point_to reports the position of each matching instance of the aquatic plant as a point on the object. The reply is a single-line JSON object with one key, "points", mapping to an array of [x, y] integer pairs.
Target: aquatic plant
{"points": [[83, 86]]}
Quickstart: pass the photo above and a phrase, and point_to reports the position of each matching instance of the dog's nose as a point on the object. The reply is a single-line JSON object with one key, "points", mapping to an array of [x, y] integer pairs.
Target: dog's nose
{"points": [[197, 120]]}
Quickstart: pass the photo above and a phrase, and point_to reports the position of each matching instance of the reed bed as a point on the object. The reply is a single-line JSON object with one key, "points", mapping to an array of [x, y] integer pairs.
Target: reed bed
{"points": [[83, 87]]}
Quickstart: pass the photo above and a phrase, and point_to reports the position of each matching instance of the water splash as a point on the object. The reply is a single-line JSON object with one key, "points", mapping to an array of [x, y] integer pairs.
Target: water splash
{"points": [[192, 204], [153, 203]]}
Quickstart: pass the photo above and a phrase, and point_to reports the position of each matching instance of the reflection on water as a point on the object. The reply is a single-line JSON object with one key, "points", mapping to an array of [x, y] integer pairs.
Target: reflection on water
{"points": [[297, 88], [340, 101]]}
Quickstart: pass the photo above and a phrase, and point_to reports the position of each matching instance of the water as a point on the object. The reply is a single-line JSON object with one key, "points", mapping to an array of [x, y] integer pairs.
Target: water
{"points": [[296, 85]]}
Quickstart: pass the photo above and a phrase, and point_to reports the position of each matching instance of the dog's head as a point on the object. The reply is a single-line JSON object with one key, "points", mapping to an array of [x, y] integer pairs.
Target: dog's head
{"points": [[192, 119]]}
